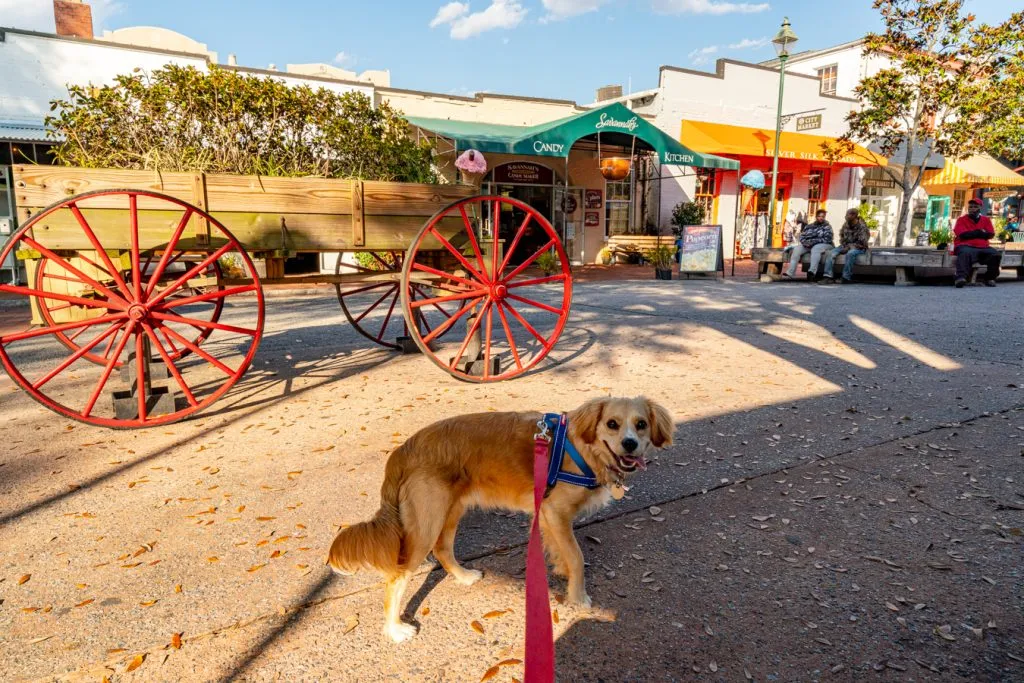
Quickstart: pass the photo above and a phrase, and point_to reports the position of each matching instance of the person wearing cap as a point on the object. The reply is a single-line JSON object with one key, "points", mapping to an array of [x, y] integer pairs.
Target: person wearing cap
{"points": [[815, 239], [971, 235]]}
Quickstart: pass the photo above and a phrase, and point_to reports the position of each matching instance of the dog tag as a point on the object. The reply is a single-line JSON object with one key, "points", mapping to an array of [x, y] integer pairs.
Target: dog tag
{"points": [[618, 491]]}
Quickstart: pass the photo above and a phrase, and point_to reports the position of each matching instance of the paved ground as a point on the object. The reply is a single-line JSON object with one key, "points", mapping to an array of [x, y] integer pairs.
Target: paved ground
{"points": [[844, 502]]}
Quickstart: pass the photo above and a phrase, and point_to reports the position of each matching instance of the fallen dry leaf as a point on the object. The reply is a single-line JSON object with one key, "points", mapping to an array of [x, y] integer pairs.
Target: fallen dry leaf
{"points": [[24, 579], [255, 568], [944, 632], [265, 519], [351, 622], [495, 613], [554, 616], [477, 626], [490, 673], [148, 603], [86, 602], [177, 588], [136, 662], [176, 641], [38, 640], [213, 559]]}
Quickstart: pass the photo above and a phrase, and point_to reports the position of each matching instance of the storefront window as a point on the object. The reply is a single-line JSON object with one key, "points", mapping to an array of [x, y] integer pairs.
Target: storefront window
{"points": [[815, 192], [959, 199], [707, 190], [619, 200]]}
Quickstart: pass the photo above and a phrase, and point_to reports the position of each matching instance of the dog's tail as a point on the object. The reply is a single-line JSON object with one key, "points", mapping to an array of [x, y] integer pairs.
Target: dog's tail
{"points": [[375, 544]]}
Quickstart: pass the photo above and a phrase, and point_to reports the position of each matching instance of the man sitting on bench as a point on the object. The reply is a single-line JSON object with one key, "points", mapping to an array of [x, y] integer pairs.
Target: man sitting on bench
{"points": [[815, 238], [853, 241], [971, 235]]}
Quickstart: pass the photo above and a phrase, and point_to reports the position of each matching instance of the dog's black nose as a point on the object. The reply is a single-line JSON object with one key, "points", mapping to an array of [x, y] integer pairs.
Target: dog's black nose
{"points": [[630, 445]]}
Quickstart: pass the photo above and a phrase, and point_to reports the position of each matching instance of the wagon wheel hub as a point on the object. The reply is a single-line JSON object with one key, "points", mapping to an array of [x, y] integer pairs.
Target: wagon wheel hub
{"points": [[499, 292], [137, 312]]}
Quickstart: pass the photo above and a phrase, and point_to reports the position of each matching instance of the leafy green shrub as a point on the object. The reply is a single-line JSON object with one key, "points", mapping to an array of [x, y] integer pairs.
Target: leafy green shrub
{"points": [[940, 236], [548, 262], [179, 118], [366, 260], [661, 257], [686, 213]]}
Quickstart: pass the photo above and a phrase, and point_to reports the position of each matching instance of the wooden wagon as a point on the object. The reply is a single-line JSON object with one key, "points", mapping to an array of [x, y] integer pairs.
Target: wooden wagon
{"points": [[149, 302]]}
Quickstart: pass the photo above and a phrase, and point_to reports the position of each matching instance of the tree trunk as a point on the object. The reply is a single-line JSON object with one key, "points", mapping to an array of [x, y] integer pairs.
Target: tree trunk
{"points": [[908, 188]]}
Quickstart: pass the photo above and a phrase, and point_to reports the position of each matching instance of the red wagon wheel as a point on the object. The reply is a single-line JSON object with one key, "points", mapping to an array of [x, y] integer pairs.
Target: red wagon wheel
{"points": [[507, 313], [371, 302], [50, 276], [141, 317]]}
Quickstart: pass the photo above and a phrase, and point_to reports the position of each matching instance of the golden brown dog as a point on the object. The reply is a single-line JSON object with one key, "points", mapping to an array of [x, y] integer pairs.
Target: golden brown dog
{"points": [[486, 460]]}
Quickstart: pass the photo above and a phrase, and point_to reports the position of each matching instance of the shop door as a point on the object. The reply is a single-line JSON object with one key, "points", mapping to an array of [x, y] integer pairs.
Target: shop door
{"points": [[883, 214], [937, 216], [9, 268], [568, 221]]}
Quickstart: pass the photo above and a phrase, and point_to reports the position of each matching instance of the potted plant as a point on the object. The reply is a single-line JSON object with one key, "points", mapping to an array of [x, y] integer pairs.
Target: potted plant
{"points": [[604, 257], [940, 237], [686, 213], [549, 263], [661, 257]]}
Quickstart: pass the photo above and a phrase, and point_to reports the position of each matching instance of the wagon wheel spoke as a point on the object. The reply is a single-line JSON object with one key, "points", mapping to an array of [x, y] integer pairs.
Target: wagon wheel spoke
{"points": [[528, 326], [419, 289], [443, 327], [515, 242], [477, 320], [191, 273], [373, 305], [140, 363], [94, 241], [433, 301], [487, 340], [171, 317], [171, 367], [208, 296], [511, 339], [87, 411], [165, 258], [391, 309], [199, 352], [450, 276], [70, 360], [472, 238], [57, 296], [528, 262], [536, 304], [44, 331], [459, 257], [560, 277], [116, 301]]}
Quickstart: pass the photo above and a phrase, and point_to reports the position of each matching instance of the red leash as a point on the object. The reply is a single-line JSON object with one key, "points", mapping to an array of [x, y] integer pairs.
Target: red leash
{"points": [[540, 643]]}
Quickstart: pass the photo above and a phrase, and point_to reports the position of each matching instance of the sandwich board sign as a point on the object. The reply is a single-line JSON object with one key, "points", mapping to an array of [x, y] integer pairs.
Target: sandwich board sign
{"points": [[701, 250]]}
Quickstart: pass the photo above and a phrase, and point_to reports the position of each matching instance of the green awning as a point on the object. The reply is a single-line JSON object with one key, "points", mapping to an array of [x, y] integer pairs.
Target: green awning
{"points": [[615, 124]]}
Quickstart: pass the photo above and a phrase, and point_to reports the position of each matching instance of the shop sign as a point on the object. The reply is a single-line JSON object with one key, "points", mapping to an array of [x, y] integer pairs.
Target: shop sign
{"points": [[808, 122], [594, 199], [701, 249], [676, 158], [524, 172], [592, 218], [611, 122], [569, 204], [882, 183]]}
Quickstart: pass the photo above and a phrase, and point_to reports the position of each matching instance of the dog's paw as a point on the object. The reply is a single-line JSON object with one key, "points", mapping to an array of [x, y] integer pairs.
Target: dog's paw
{"points": [[469, 577], [401, 632], [580, 600]]}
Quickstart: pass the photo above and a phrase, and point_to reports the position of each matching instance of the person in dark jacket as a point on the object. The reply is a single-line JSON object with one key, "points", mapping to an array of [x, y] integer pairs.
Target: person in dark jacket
{"points": [[853, 241], [815, 238], [970, 240]]}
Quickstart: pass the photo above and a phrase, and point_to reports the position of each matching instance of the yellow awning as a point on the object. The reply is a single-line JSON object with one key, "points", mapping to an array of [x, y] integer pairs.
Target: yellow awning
{"points": [[720, 138], [980, 170]]}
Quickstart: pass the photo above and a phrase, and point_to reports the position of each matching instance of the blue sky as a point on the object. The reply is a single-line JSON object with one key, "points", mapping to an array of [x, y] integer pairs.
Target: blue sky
{"points": [[545, 48]]}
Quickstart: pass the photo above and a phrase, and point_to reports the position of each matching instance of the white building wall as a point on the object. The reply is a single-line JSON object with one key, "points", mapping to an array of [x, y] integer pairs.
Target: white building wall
{"points": [[742, 94], [852, 65], [484, 108]]}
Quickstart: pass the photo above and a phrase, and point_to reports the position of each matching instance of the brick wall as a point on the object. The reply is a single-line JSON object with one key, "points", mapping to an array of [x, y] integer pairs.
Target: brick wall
{"points": [[73, 18]]}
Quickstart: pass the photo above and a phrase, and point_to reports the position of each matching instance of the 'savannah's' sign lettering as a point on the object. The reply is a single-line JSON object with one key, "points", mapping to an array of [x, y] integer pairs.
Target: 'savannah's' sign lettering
{"points": [[609, 122]]}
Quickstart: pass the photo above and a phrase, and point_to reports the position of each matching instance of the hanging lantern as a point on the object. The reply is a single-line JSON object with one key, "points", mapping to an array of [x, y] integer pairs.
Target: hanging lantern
{"points": [[614, 168]]}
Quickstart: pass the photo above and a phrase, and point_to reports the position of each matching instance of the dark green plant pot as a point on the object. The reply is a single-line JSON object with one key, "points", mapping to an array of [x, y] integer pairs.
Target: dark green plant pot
{"points": [[660, 274]]}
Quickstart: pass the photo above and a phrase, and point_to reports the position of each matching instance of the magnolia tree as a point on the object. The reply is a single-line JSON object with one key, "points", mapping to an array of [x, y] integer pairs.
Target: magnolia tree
{"points": [[954, 87]]}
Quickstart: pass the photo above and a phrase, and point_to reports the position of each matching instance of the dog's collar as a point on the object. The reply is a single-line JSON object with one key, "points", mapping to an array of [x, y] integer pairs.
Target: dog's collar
{"points": [[560, 444]]}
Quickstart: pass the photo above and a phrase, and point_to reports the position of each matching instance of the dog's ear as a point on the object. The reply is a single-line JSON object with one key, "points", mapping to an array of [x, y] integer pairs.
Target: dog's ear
{"points": [[587, 417], [662, 425]]}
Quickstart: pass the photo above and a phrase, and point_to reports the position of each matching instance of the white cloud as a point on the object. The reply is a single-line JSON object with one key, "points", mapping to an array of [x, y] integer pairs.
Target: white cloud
{"points": [[37, 15], [449, 13], [505, 14], [707, 7], [702, 55], [749, 43], [563, 9], [344, 59]]}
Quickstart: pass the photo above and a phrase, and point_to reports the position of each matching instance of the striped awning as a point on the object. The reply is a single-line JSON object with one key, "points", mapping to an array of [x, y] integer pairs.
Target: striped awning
{"points": [[980, 170]]}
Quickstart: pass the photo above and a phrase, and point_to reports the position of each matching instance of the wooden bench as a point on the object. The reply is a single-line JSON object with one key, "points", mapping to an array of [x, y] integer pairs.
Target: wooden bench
{"points": [[633, 246], [905, 264]]}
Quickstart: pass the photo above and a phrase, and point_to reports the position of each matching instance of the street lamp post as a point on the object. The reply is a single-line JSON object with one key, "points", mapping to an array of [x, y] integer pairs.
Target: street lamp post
{"points": [[782, 41]]}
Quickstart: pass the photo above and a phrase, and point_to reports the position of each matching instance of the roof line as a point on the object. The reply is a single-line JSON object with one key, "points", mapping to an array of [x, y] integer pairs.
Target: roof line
{"points": [[807, 54], [719, 73], [270, 72], [479, 97], [106, 43]]}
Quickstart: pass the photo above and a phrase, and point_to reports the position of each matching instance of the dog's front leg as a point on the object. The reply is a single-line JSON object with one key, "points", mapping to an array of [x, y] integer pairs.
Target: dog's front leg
{"points": [[572, 557], [394, 627]]}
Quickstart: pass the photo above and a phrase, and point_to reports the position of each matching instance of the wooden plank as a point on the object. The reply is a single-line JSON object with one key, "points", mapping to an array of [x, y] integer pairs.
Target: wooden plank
{"points": [[358, 214], [255, 194], [199, 227], [410, 199], [40, 186], [256, 231], [927, 259]]}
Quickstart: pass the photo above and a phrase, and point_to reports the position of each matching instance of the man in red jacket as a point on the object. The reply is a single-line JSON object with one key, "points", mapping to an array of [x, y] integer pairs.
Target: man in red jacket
{"points": [[970, 239]]}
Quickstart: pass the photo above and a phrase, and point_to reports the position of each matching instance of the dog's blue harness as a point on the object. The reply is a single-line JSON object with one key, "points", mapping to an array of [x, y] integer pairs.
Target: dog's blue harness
{"points": [[560, 444]]}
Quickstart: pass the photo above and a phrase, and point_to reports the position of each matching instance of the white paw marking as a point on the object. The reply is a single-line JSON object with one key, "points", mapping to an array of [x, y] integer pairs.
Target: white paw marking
{"points": [[400, 632], [469, 577]]}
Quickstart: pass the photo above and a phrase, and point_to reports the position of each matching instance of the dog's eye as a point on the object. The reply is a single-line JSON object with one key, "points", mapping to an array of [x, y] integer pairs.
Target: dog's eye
{"points": [[641, 424], [612, 424]]}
